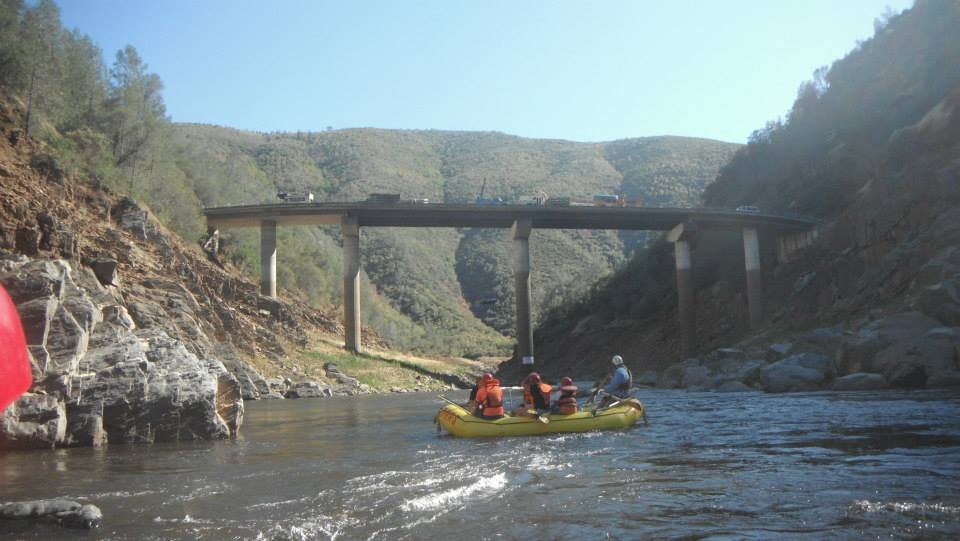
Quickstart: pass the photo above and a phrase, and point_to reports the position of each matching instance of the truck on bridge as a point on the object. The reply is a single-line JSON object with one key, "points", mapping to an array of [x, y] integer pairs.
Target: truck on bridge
{"points": [[295, 197]]}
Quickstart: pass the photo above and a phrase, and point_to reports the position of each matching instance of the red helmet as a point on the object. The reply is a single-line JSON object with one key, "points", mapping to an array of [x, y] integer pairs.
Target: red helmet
{"points": [[566, 381], [487, 376], [533, 377]]}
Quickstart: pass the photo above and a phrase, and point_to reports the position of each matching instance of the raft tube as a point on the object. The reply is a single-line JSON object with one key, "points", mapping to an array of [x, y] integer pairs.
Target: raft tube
{"points": [[459, 422]]}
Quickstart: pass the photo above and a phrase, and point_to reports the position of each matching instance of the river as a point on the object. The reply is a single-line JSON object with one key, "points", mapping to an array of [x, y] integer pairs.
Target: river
{"points": [[816, 466]]}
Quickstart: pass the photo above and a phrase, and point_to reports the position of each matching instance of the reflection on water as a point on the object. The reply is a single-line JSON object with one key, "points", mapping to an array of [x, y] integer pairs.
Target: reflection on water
{"points": [[709, 466]]}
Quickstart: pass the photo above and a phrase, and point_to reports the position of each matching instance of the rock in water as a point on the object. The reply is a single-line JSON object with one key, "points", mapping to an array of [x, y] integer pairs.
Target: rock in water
{"points": [[63, 512]]}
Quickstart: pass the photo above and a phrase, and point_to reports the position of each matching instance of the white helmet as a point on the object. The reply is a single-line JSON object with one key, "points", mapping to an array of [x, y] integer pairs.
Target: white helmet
{"points": [[617, 360]]}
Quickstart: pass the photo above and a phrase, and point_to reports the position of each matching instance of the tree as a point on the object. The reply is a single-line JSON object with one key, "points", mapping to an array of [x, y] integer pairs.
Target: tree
{"points": [[137, 112]]}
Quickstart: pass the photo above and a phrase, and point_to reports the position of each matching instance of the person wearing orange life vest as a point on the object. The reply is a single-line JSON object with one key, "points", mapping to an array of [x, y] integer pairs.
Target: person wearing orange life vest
{"points": [[537, 393], [489, 398], [567, 401]]}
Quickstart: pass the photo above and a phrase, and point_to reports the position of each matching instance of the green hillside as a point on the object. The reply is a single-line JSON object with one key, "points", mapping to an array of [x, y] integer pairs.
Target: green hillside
{"points": [[870, 146], [443, 291], [440, 290]]}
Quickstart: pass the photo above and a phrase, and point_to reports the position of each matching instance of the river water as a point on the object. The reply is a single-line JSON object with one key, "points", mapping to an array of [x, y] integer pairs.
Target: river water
{"points": [[709, 466]]}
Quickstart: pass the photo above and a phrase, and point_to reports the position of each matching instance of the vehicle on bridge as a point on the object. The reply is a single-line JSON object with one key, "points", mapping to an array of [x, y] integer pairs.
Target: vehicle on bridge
{"points": [[418, 201], [748, 208], [607, 200], [538, 200], [384, 198], [558, 202], [296, 197]]}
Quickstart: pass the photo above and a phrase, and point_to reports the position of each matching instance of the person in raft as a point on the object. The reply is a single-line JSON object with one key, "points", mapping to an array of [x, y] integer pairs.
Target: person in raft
{"points": [[620, 382], [536, 393], [567, 401], [472, 402], [489, 398]]}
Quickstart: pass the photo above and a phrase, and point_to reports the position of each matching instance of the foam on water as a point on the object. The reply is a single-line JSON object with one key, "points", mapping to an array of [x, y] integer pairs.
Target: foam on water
{"points": [[906, 508], [454, 496]]}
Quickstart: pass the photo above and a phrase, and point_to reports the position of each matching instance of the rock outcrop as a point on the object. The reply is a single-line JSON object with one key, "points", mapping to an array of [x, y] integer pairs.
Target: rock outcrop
{"points": [[98, 377], [898, 350]]}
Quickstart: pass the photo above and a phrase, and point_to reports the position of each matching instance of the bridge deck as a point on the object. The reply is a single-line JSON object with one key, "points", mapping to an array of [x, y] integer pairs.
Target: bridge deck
{"points": [[498, 216]]}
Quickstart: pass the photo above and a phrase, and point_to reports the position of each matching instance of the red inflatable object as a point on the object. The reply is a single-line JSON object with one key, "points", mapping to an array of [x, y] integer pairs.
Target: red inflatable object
{"points": [[15, 375]]}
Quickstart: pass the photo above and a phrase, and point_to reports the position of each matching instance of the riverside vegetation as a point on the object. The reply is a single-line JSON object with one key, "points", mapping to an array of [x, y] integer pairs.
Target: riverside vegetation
{"points": [[870, 146]]}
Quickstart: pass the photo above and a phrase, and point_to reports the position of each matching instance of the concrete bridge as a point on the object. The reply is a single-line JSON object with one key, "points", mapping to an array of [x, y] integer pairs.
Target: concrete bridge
{"points": [[683, 225]]}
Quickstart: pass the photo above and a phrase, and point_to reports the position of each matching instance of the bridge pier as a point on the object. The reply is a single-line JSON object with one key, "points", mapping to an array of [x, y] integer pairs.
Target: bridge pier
{"points": [[682, 236], [751, 254], [350, 231], [268, 258], [521, 278]]}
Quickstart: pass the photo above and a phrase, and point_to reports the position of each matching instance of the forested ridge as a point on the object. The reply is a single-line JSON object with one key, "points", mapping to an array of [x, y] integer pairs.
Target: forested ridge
{"points": [[870, 146], [442, 291]]}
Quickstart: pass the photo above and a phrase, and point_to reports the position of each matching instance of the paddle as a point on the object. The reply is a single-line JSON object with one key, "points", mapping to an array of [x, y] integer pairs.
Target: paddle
{"points": [[441, 397], [537, 416]]}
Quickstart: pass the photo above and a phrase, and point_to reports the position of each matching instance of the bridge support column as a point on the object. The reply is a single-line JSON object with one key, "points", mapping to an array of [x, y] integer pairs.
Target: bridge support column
{"points": [[751, 254], [268, 258], [521, 279], [350, 231], [682, 237]]}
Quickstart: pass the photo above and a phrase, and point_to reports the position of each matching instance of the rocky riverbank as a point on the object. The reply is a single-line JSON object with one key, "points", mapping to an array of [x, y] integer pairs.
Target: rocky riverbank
{"points": [[137, 336], [902, 351]]}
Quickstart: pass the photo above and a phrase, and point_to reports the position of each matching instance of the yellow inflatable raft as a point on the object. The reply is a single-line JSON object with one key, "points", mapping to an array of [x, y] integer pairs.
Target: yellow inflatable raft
{"points": [[459, 422]]}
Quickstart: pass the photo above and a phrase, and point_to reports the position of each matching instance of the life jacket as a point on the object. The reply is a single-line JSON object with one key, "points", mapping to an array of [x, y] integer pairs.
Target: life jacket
{"points": [[541, 389], [567, 401], [490, 400], [625, 387]]}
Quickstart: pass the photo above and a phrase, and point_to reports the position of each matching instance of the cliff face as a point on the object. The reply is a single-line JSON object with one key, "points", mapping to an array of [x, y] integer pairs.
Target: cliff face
{"points": [[133, 334]]}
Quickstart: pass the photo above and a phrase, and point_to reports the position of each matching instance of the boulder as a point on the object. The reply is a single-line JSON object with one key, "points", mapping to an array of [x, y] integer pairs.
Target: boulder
{"points": [[695, 377], [308, 389], [826, 339], [33, 420], [150, 388], [66, 513], [130, 216], [901, 365], [746, 372], [733, 387], [860, 381], [106, 271], [672, 377], [778, 351], [802, 372], [648, 378]]}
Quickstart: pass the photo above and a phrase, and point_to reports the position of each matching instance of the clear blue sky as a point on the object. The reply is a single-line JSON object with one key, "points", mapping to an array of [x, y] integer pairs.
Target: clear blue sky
{"points": [[579, 70]]}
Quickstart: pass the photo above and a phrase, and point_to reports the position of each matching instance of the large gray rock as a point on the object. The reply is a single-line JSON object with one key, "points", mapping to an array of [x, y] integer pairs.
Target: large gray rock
{"points": [[98, 379], [647, 378], [150, 388], [66, 513], [860, 381], [308, 389], [695, 377], [802, 372], [106, 270], [733, 387], [33, 420]]}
